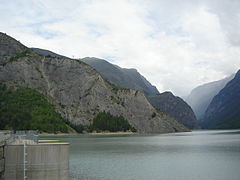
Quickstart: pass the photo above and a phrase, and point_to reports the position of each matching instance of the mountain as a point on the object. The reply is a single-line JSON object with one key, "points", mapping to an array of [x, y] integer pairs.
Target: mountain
{"points": [[10, 48], [174, 106], [126, 78], [45, 52], [131, 78], [201, 96], [224, 110], [77, 91]]}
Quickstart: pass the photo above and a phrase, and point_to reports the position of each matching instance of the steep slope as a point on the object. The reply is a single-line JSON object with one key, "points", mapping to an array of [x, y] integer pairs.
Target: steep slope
{"points": [[224, 110], [45, 52], [126, 78], [79, 93], [27, 109], [141, 81], [130, 78], [201, 96], [9, 48], [174, 106]]}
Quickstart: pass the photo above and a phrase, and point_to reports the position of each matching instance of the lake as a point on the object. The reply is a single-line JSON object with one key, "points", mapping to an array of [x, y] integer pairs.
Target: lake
{"points": [[197, 155]]}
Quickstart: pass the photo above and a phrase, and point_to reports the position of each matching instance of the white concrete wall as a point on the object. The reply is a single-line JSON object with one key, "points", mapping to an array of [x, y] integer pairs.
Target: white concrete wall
{"points": [[45, 162]]}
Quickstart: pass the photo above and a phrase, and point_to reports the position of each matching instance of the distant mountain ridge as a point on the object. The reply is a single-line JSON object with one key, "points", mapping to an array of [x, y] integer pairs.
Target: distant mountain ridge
{"points": [[201, 96], [224, 110]]}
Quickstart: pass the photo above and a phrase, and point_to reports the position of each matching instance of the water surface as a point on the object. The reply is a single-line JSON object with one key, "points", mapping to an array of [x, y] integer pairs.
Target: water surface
{"points": [[198, 155]]}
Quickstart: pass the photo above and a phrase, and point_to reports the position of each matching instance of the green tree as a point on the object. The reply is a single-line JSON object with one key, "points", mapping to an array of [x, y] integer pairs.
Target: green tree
{"points": [[104, 121], [27, 109]]}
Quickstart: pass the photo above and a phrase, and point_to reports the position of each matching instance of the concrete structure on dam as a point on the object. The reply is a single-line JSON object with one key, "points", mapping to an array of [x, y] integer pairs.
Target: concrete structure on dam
{"points": [[4, 135], [27, 158]]}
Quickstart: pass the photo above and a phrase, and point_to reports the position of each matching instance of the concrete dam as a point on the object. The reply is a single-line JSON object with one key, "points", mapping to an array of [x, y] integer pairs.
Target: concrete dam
{"points": [[24, 157]]}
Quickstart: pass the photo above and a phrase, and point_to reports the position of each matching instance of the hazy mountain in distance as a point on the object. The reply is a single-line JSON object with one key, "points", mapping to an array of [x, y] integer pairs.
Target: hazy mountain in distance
{"points": [[201, 96], [224, 110]]}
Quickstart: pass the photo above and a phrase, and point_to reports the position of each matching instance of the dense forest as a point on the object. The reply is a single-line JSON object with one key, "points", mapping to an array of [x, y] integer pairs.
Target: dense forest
{"points": [[27, 109], [104, 121]]}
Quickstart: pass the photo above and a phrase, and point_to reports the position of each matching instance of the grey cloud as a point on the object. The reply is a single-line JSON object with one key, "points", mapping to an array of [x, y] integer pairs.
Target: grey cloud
{"points": [[229, 18]]}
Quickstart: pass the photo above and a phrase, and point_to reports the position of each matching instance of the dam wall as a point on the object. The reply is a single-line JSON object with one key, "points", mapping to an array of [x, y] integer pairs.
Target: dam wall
{"points": [[48, 161], [27, 159]]}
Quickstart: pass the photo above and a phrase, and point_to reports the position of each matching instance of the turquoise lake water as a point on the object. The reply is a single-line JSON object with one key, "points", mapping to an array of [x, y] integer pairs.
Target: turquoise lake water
{"points": [[198, 155]]}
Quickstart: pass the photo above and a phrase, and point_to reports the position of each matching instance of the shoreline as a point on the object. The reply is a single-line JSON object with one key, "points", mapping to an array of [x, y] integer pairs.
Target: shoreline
{"points": [[125, 133], [111, 133], [92, 133], [56, 134]]}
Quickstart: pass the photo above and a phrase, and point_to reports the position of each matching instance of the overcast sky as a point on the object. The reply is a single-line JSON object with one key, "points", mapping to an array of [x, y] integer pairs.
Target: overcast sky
{"points": [[175, 44]]}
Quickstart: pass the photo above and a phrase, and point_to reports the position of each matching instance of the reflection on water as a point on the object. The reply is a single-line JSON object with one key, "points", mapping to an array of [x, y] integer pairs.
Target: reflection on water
{"points": [[198, 155]]}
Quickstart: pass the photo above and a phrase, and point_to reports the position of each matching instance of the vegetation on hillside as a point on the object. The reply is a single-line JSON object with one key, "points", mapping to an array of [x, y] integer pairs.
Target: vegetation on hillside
{"points": [[27, 109], [26, 53], [104, 121]]}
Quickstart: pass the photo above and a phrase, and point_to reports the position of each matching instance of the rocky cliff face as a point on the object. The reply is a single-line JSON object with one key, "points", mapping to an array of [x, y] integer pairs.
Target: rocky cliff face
{"points": [[224, 110], [201, 96], [9, 48], [79, 92], [130, 78], [174, 106]]}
